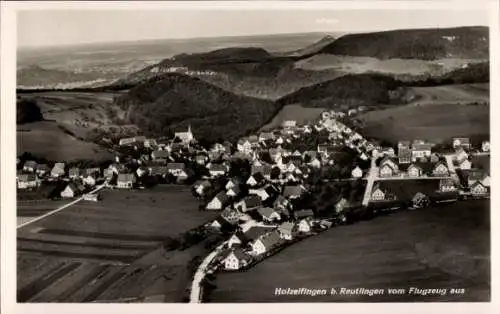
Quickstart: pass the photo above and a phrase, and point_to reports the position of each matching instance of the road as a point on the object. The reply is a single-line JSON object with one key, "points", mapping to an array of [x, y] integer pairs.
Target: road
{"points": [[451, 167], [25, 223], [195, 296], [372, 176]]}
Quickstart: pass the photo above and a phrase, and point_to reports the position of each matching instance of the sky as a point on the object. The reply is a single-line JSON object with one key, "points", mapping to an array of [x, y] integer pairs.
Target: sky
{"points": [[40, 28]]}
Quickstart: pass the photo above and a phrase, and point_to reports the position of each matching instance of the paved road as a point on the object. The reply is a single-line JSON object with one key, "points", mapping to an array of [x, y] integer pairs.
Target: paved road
{"points": [[35, 219], [372, 176], [195, 296]]}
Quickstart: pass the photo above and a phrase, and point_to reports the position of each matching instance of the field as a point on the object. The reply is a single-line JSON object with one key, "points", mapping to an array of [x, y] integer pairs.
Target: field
{"points": [[437, 114], [349, 64], [45, 139], [440, 247], [294, 112], [110, 249]]}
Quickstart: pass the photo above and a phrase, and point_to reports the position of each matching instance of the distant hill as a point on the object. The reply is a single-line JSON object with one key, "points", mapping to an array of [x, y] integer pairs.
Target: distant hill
{"points": [[174, 101], [425, 44], [313, 48], [347, 91]]}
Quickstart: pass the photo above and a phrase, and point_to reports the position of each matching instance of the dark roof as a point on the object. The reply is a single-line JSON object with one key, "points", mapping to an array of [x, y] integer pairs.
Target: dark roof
{"points": [[30, 164], [26, 177], [222, 197], [160, 154], [258, 176], [266, 211], [303, 213], [175, 165], [126, 177], [252, 201], [255, 232], [293, 190], [286, 227], [270, 239]]}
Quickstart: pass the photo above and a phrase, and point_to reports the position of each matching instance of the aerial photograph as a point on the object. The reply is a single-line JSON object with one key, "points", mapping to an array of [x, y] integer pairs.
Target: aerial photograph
{"points": [[253, 156]]}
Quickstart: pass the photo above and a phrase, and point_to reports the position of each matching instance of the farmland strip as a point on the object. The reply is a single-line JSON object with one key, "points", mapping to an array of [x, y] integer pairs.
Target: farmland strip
{"points": [[91, 234], [81, 283], [43, 282], [118, 258], [105, 285], [124, 246]]}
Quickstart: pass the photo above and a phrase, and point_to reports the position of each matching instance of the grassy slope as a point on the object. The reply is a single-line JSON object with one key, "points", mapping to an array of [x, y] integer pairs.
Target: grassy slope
{"points": [[135, 222], [46, 140], [436, 114], [442, 247]]}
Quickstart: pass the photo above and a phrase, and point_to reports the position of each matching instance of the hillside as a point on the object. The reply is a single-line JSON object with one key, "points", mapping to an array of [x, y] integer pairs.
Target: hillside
{"points": [[28, 111], [311, 49], [174, 101], [425, 44], [347, 91]]}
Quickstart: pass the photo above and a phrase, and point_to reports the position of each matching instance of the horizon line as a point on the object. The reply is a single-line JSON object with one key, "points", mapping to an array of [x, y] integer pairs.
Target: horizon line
{"points": [[26, 47]]}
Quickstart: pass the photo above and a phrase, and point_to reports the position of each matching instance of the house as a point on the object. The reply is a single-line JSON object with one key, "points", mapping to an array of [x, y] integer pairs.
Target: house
{"points": [[42, 169], [315, 163], [237, 239], [303, 213], [234, 181], [141, 171], [244, 145], [150, 143], [201, 159], [266, 242], [95, 170], [293, 191], [377, 193], [264, 192], [157, 170], [485, 146], [414, 170], [160, 155], [177, 169], [130, 141], [289, 124], [200, 187], [108, 174], [27, 181], [90, 179], [386, 170], [477, 175], [463, 142], [304, 225], [357, 172], [58, 170], [281, 204], [72, 189], [269, 214], [478, 189], [465, 164], [248, 203], [266, 136], [219, 201], [236, 259], [74, 172], [404, 155], [440, 169], [255, 179], [234, 191], [287, 230], [231, 215], [185, 137], [447, 185], [217, 170], [420, 150], [126, 180]]}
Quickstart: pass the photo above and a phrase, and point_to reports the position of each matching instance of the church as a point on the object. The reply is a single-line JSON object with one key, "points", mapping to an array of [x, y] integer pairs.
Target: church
{"points": [[185, 137]]}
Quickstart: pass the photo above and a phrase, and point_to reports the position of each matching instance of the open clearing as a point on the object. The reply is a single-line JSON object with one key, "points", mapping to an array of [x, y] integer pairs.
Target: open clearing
{"points": [[110, 249], [45, 139], [294, 112], [440, 247], [437, 113], [355, 65]]}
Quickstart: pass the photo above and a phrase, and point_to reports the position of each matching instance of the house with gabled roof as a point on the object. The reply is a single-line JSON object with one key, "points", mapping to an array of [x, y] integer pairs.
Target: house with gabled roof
{"points": [[126, 180], [72, 189], [234, 181], [231, 215], [255, 179], [264, 192], [160, 155], [236, 259], [303, 213], [464, 164], [357, 172], [234, 191], [27, 181], [201, 187], [463, 142], [266, 242], [287, 230], [476, 175], [177, 169], [269, 214], [74, 173], [90, 179], [293, 191], [42, 169], [58, 170], [266, 136], [440, 169], [447, 185], [30, 166], [387, 170], [420, 150], [478, 189], [217, 170], [248, 203], [485, 146], [304, 225], [220, 201]]}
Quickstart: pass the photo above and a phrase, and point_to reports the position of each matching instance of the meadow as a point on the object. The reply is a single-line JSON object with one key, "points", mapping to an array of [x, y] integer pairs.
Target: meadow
{"points": [[446, 246], [110, 249]]}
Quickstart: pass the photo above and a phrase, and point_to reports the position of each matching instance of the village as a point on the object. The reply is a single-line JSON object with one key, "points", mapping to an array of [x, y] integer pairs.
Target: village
{"points": [[265, 185]]}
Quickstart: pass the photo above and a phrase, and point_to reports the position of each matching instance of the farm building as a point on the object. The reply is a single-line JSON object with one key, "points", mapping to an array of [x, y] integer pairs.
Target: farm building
{"points": [[266, 242], [126, 180], [27, 181], [73, 189], [219, 201]]}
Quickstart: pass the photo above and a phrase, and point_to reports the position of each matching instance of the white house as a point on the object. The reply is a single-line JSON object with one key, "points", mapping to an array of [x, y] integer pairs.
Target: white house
{"points": [[218, 202], [287, 230], [126, 180], [357, 172], [185, 137], [304, 226], [485, 146], [478, 189], [236, 259], [72, 189], [27, 181], [377, 194], [465, 164], [89, 180]]}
